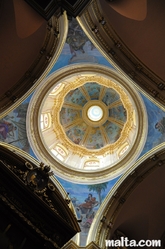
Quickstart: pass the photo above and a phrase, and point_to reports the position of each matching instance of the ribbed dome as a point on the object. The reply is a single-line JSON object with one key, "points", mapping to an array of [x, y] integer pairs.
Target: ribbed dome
{"points": [[93, 116], [88, 123]]}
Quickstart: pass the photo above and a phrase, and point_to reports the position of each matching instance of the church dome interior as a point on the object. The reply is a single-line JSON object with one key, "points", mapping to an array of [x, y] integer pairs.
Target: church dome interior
{"points": [[82, 122], [87, 123]]}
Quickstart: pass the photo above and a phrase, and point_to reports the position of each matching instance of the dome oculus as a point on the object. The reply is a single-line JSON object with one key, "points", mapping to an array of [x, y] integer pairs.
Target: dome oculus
{"points": [[95, 113]]}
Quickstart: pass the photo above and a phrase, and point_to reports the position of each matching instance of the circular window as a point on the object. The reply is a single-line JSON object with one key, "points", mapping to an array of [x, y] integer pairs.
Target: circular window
{"points": [[95, 113]]}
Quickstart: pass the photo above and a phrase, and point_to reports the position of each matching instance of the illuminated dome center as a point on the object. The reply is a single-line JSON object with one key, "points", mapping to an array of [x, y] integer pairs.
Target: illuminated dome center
{"points": [[95, 113]]}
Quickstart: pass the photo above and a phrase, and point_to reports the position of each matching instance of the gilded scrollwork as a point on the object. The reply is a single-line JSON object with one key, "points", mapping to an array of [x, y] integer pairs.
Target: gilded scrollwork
{"points": [[79, 82]]}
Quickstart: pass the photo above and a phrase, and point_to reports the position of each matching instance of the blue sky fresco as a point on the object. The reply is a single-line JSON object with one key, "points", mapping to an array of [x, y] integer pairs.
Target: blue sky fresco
{"points": [[80, 191], [78, 49], [155, 114]]}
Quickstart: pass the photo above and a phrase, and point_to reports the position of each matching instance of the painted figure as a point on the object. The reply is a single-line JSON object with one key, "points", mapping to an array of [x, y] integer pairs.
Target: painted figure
{"points": [[88, 205], [7, 128], [160, 126]]}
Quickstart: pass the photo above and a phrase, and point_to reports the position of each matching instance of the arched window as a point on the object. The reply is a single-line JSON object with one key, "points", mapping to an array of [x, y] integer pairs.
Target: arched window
{"points": [[92, 163], [57, 89], [123, 149], [45, 121], [60, 152]]}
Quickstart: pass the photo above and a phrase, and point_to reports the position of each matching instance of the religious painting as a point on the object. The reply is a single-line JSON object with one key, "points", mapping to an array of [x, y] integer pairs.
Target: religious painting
{"points": [[118, 113], [112, 131], [95, 139], [76, 133], [68, 115], [78, 49], [86, 200], [13, 128], [93, 90], [110, 96], [156, 124], [75, 97]]}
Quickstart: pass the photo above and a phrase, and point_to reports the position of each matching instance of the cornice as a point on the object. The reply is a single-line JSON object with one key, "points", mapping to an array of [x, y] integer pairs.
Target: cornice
{"points": [[105, 217], [53, 44], [94, 23], [24, 155], [26, 158], [30, 194]]}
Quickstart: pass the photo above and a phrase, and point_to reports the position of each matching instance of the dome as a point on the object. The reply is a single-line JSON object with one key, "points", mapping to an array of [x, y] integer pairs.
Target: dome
{"points": [[92, 115], [87, 123]]}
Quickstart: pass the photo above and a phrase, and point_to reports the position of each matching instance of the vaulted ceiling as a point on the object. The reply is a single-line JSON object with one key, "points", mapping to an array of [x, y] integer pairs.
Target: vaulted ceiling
{"points": [[131, 35], [135, 208], [29, 44]]}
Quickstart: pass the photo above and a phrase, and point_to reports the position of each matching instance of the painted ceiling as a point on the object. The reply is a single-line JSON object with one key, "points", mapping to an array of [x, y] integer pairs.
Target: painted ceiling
{"points": [[80, 129], [84, 119], [14, 126]]}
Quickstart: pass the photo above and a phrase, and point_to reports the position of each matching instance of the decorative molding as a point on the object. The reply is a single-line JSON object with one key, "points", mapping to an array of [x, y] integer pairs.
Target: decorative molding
{"points": [[54, 41], [68, 75], [46, 10], [58, 104], [94, 23], [147, 164], [30, 194]]}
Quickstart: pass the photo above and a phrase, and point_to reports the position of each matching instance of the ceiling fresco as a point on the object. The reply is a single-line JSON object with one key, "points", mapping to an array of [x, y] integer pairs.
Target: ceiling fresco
{"points": [[14, 126], [87, 119], [93, 135]]}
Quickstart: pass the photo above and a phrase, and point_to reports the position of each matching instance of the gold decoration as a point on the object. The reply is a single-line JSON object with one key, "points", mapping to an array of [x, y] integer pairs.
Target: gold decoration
{"points": [[78, 74], [79, 82], [102, 106]]}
